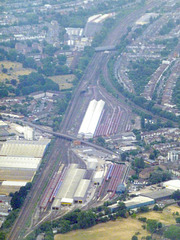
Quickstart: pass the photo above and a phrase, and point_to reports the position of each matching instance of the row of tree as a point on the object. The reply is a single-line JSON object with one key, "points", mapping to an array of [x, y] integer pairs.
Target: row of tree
{"points": [[79, 219]]}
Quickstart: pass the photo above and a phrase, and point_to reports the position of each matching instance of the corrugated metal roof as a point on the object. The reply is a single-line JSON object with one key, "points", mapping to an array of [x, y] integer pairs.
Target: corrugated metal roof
{"points": [[19, 162], [82, 188], [70, 184], [24, 148], [138, 200], [13, 183]]}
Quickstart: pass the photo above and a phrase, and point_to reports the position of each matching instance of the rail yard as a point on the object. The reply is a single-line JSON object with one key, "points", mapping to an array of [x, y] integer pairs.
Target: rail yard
{"points": [[71, 167]]}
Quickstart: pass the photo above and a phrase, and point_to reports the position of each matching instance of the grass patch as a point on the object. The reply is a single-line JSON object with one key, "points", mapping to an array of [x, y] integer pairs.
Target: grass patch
{"points": [[166, 217], [14, 69], [123, 228], [120, 229], [64, 81]]}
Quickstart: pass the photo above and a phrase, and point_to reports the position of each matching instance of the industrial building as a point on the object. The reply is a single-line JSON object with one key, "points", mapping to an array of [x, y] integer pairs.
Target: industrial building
{"points": [[16, 148], [26, 131], [92, 163], [91, 119], [145, 19], [19, 161], [98, 177], [159, 194], [172, 184], [133, 203], [69, 186], [3, 125], [120, 188], [14, 174], [95, 23], [81, 192], [138, 202]]}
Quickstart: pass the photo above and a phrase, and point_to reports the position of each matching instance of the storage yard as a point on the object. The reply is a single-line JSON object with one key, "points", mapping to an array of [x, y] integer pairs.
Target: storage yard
{"points": [[19, 161]]}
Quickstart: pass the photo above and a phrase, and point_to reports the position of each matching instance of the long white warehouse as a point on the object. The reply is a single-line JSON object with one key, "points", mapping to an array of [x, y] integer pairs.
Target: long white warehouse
{"points": [[19, 163], [91, 119]]}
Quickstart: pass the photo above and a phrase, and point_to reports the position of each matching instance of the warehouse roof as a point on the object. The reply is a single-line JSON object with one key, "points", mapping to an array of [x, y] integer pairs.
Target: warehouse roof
{"points": [[70, 184], [82, 188], [98, 174], [158, 194], [3, 124], [137, 200], [172, 184], [67, 200], [14, 174], [13, 183], [24, 148], [19, 162], [91, 118]]}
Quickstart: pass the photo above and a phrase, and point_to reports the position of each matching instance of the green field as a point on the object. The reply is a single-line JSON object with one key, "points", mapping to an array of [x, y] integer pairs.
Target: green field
{"points": [[64, 81], [14, 69], [122, 229]]}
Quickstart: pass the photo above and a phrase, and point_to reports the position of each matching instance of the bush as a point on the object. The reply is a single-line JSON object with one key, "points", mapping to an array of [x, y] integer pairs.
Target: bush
{"points": [[142, 219], [178, 220]]}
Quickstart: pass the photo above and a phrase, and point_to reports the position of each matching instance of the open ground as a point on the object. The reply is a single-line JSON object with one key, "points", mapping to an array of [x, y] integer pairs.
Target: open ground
{"points": [[14, 69], [122, 229]]}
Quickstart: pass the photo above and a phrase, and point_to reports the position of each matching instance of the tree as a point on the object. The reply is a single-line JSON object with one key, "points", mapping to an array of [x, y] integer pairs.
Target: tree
{"points": [[153, 225], [86, 219], [178, 220], [176, 195], [4, 70], [29, 63], [134, 237], [50, 50], [2, 236], [155, 208], [139, 163], [65, 226], [62, 59], [173, 232], [13, 82], [159, 176], [12, 55]]}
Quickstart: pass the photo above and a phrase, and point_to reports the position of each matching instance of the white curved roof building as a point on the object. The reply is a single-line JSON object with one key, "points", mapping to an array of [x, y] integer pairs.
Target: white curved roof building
{"points": [[91, 119]]}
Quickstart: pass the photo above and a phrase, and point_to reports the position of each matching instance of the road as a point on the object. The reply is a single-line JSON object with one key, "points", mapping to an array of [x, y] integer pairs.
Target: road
{"points": [[60, 147]]}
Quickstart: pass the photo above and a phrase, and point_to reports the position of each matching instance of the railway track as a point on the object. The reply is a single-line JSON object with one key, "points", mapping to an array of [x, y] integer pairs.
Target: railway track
{"points": [[61, 146], [33, 196]]}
